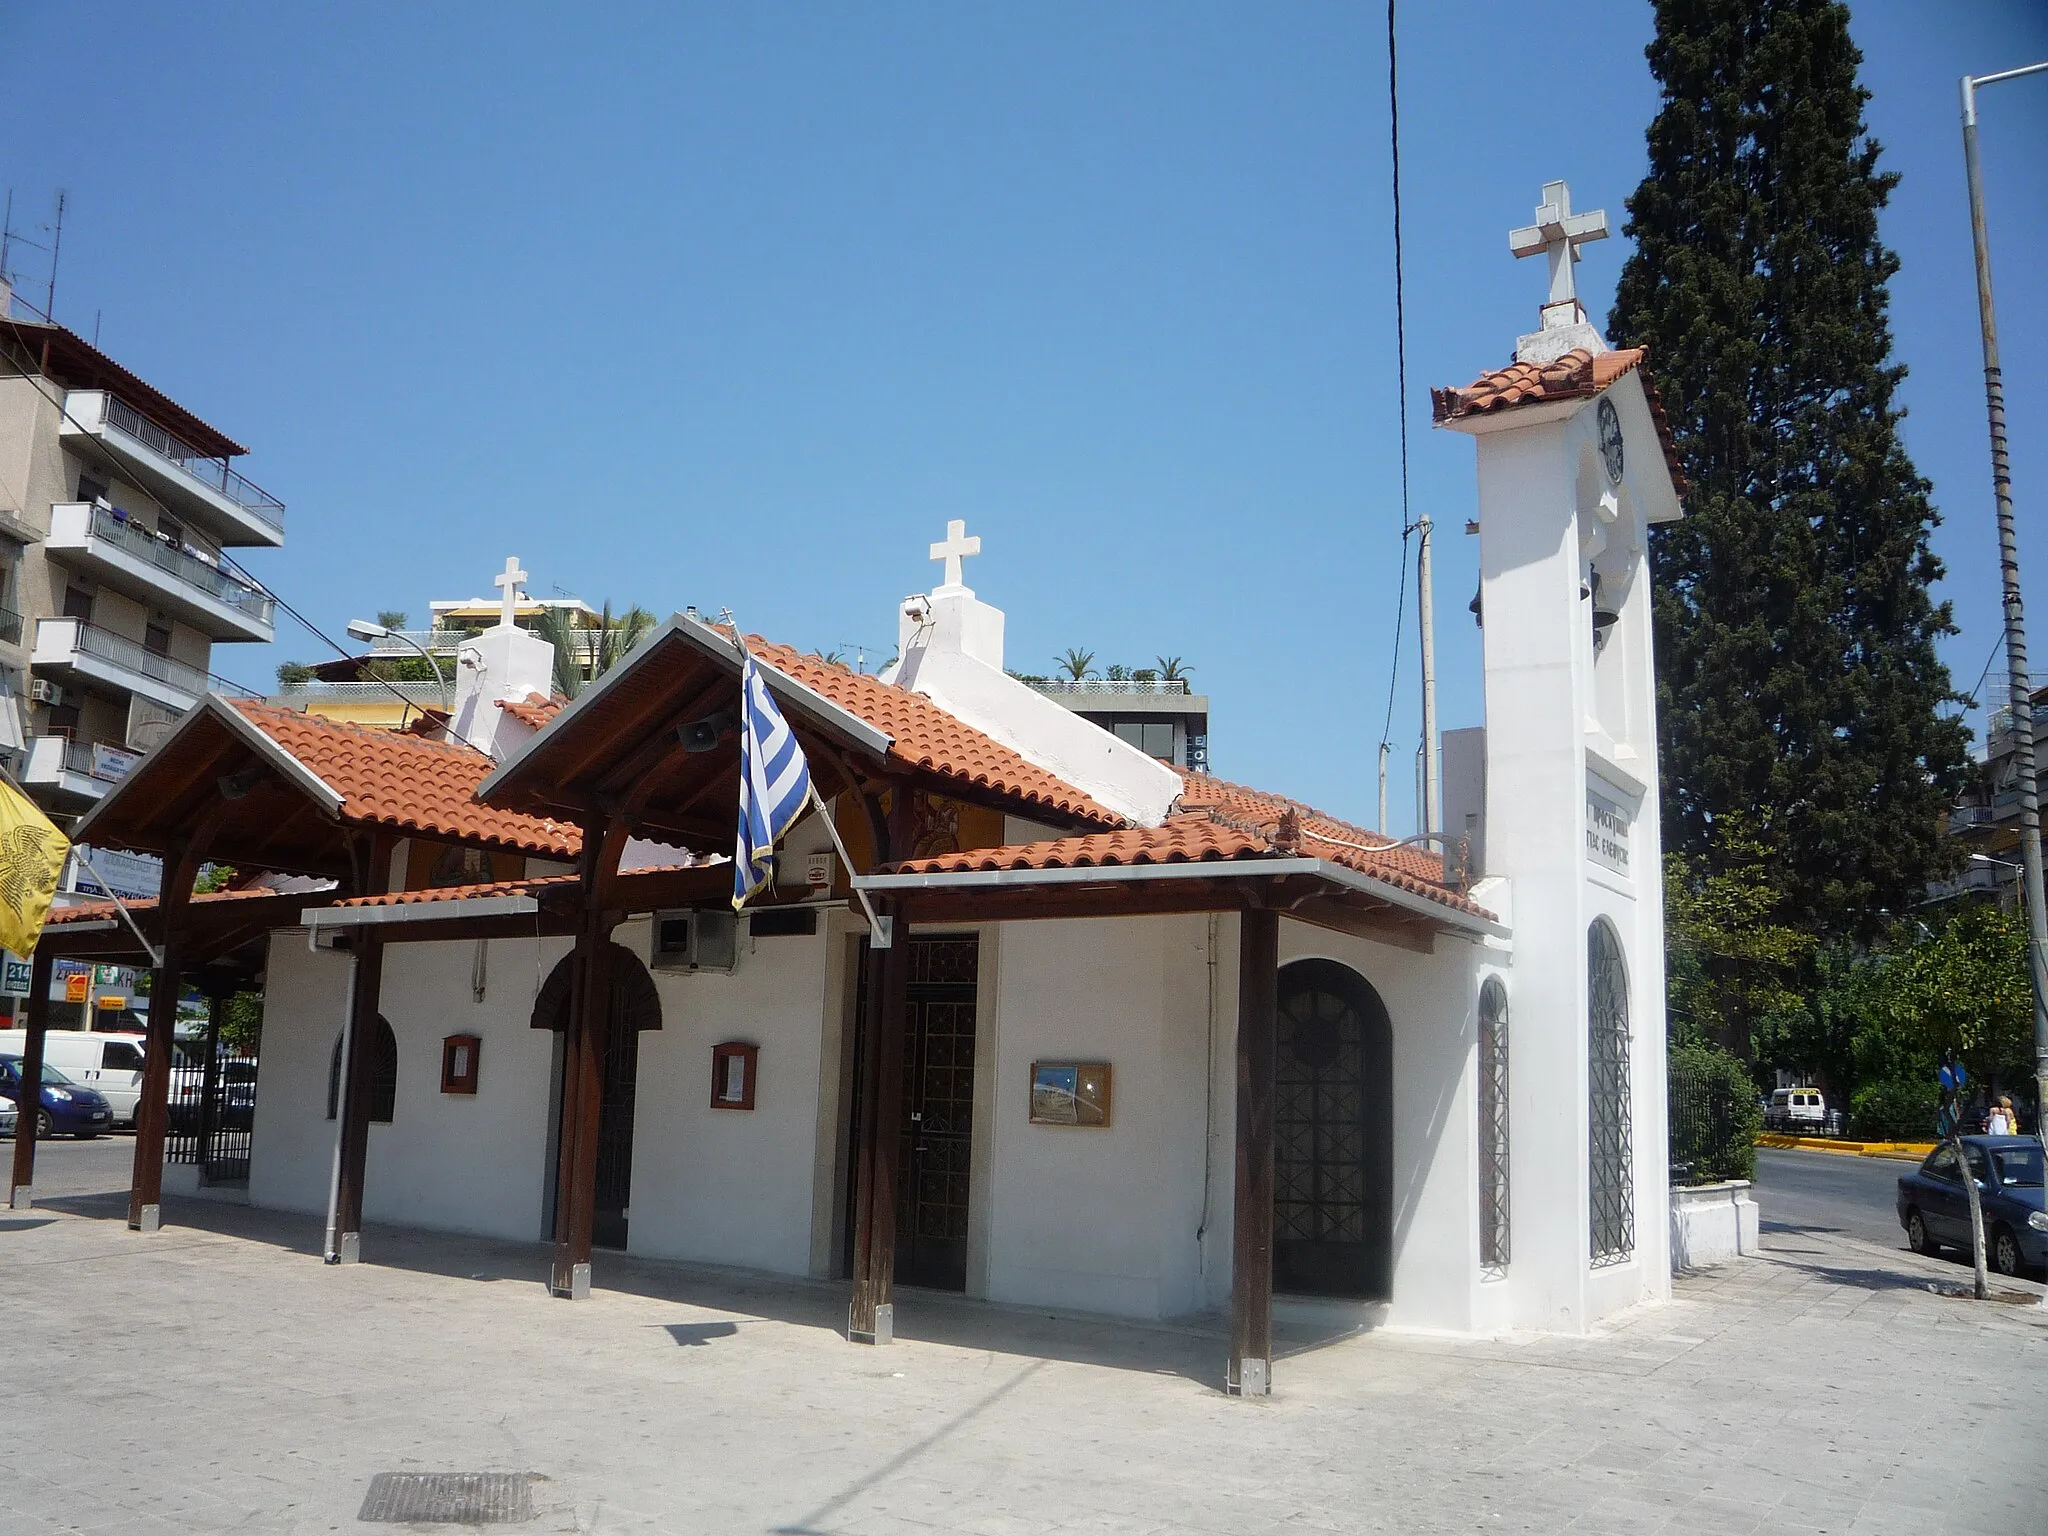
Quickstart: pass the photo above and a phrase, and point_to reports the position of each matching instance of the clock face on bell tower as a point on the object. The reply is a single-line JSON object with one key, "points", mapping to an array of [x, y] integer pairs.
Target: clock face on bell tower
{"points": [[1610, 440]]}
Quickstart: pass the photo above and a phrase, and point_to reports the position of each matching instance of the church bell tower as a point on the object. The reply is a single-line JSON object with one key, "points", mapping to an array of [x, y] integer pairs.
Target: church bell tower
{"points": [[1574, 467]]}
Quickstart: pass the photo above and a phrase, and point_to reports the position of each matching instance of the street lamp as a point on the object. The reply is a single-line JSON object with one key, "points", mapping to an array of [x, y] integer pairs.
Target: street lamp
{"points": [[2015, 614], [363, 629]]}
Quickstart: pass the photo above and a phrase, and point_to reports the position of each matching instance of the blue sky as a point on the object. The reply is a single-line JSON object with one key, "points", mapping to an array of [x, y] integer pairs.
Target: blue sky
{"points": [[738, 305]]}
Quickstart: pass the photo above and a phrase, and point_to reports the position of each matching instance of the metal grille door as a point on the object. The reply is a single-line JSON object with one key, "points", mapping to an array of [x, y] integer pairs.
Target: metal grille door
{"points": [[615, 1133], [1333, 1135], [1610, 1153], [933, 1172]]}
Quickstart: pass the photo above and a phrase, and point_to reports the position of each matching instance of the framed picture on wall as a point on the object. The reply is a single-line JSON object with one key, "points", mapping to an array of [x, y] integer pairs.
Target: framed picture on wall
{"points": [[459, 1056], [1070, 1093], [732, 1074]]}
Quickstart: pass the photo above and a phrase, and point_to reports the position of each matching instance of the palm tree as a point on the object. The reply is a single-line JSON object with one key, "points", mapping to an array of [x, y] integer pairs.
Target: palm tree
{"points": [[1172, 669], [1077, 664], [584, 655]]}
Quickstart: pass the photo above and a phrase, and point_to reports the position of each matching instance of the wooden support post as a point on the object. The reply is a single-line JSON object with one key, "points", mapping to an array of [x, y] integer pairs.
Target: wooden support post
{"points": [[582, 1107], [145, 1189], [365, 999], [22, 1193], [871, 1319], [1250, 1372], [583, 1059]]}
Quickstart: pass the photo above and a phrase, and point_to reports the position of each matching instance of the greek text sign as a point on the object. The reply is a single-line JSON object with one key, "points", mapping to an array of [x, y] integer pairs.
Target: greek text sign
{"points": [[1609, 818]]}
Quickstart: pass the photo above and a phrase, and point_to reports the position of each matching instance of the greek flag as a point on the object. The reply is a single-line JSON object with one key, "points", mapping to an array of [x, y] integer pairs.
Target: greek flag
{"points": [[775, 783]]}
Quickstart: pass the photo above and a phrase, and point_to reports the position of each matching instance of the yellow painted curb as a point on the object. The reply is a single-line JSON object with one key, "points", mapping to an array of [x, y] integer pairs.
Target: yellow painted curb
{"points": [[1901, 1149]]}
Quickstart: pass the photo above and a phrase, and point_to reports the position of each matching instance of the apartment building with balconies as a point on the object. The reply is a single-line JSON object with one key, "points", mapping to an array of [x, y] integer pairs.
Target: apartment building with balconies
{"points": [[119, 509]]}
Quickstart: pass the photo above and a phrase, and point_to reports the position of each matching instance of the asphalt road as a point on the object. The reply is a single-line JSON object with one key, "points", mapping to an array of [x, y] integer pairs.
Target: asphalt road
{"points": [[1830, 1192]]}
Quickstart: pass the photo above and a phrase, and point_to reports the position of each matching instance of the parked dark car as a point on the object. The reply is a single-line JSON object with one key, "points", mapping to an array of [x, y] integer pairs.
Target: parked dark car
{"points": [[1935, 1210], [67, 1108]]}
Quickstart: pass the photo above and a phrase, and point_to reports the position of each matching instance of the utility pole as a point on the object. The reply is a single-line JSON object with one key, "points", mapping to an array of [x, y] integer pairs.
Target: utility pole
{"points": [[1432, 771], [2022, 704]]}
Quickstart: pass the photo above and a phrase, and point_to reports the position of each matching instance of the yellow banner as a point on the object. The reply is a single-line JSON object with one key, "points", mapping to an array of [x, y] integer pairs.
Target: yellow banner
{"points": [[32, 854]]}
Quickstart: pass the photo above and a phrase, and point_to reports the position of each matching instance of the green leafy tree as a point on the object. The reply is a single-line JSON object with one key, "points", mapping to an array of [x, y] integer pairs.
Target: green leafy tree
{"points": [[392, 618], [289, 672], [1964, 988], [1714, 1114], [1173, 669], [1733, 966], [1795, 629]]}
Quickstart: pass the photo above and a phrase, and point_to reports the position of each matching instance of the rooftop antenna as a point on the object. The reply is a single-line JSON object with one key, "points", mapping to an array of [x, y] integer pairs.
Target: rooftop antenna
{"points": [[6, 233], [56, 247]]}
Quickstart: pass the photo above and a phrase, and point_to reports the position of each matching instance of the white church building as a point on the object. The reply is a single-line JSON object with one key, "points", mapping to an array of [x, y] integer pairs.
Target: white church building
{"points": [[1141, 1043]]}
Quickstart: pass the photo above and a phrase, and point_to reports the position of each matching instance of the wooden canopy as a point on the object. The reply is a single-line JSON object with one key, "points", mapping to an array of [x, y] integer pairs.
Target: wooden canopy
{"points": [[656, 741]]}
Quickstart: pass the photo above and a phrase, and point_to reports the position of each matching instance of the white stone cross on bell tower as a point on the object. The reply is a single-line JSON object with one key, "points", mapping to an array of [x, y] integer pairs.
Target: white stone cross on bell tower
{"points": [[952, 549], [509, 581], [1558, 233]]}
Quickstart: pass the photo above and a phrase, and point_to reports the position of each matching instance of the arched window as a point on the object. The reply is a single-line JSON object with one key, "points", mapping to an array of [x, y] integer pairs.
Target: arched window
{"points": [[1493, 1125], [1609, 1151], [1333, 1133], [383, 1074]]}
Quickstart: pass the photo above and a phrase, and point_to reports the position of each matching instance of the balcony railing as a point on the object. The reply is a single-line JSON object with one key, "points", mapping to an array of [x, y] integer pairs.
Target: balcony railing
{"points": [[419, 695], [120, 651], [116, 529], [204, 468], [1972, 816], [1112, 685], [10, 626]]}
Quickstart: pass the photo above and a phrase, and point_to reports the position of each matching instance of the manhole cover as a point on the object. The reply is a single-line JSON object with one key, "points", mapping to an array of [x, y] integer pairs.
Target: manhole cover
{"points": [[451, 1498]]}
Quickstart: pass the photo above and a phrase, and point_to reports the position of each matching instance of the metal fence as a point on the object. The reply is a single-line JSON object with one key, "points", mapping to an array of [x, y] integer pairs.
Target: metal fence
{"points": [[213, 1110], [1704, 1133]]}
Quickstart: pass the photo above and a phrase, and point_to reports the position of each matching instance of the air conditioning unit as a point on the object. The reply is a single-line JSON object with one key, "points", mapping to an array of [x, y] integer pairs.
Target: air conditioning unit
{"points": [[696, 939], [43, 691]]}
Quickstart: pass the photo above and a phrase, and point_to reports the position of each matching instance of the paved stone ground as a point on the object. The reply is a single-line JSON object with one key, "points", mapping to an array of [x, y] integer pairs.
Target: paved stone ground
{"points": [[217, 1377]]}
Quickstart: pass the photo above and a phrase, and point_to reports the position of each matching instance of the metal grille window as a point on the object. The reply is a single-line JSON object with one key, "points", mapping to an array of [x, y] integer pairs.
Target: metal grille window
{"points": [[1610, 1154], [1493, 1127]]}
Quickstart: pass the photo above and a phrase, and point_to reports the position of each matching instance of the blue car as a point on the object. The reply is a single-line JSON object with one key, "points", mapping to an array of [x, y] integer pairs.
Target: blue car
{"points": [[1935, 1210], [68, 1108]]}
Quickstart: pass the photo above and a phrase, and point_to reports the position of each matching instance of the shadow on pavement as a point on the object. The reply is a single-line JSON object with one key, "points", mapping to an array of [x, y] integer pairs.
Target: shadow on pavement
{"points": [[1194, 1348]]}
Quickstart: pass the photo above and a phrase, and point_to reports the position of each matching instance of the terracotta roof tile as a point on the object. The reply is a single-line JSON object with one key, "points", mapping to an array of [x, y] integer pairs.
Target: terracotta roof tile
{"points": [[99, 911], [1579, 374], [925, 736], [534, 710], [1219, 821], [532, 886], [392, 779]]}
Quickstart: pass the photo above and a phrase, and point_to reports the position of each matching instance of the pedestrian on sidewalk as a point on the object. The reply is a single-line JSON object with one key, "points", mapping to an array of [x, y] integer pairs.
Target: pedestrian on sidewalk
{"points": [[2002, 1121]]}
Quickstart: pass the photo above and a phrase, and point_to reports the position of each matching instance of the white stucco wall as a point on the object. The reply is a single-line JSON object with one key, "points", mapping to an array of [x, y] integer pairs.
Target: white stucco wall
{"points": [[1102, 1220], [464, 1163], [727, 1186]]}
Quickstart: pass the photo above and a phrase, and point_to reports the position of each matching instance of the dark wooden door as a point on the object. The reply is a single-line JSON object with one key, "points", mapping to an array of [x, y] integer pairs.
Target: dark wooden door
{"points": [[936, 1135], [1333, 1135], [615, 1134]]}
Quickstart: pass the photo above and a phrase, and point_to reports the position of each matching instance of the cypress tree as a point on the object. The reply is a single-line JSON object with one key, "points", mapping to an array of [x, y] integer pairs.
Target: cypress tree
{"points": [[1798, 680]]}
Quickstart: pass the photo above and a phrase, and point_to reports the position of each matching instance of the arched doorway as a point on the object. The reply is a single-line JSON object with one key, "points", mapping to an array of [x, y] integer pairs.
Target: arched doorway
{"points": [[635, 1005], [1333, 1141]]}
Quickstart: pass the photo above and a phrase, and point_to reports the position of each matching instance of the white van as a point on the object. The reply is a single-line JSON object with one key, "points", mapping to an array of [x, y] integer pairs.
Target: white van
{"points": [[112, 1063], [1795, 1110]]}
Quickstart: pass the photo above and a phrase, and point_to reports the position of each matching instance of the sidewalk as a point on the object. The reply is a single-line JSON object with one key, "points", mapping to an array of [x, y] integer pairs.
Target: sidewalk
{"points": [[217, 1377]]}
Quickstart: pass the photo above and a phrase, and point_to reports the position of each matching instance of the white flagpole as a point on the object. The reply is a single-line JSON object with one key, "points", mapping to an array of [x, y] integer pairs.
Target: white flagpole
{"points": [[881, 930]]}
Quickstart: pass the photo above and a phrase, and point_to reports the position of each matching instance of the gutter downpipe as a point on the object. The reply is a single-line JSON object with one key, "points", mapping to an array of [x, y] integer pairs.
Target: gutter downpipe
{"points": [[1461, 924], [329, 1252], [1208, 1101]]}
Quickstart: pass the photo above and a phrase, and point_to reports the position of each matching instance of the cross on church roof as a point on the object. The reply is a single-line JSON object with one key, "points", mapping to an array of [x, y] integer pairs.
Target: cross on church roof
{"points": [[956, 546], [509, 581], [1558, 233]]}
